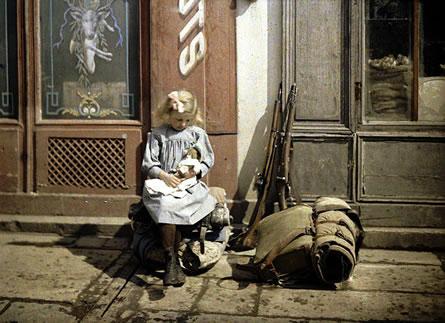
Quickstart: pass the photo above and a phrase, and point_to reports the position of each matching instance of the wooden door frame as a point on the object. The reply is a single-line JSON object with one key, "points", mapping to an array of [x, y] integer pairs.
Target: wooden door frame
{"points": [[36, 125]]}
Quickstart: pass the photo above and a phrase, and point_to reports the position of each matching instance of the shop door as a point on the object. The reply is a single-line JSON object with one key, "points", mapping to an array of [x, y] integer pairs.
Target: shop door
{"points": [[370, 109], [89, 74], [91, 107], [324, 129]]}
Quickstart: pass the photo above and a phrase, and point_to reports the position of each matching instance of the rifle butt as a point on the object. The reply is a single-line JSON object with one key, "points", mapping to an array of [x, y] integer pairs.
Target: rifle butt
{"points": [[249, 240], [282, 199]]}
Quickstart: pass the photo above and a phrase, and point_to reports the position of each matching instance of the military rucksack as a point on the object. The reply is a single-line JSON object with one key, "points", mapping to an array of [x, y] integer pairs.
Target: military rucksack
{"points": [[303, 243], [284, 241]]}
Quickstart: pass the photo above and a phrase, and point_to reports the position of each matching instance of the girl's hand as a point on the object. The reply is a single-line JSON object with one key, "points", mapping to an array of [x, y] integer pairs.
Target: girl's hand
{"points": [[169, 179]]}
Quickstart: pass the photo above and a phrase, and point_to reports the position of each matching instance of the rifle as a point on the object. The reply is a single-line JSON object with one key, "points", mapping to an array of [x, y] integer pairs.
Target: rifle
{"points": [[279, 147], [285, 185], [264, 179], [260, 182]]}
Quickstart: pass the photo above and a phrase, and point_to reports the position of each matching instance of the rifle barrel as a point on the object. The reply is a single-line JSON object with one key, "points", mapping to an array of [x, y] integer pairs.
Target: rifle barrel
{"points": [[283, 182]]}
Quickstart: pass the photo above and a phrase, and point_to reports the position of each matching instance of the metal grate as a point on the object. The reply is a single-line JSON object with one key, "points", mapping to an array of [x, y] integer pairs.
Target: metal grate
{"points": [[87, 162]]}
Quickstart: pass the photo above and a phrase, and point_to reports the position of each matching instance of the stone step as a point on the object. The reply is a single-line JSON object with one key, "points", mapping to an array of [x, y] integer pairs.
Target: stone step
{"points": [[66, 225], [404, 238], [376, 237]]}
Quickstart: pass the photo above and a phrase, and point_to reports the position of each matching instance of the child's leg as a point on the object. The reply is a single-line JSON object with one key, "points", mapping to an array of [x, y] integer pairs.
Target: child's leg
{"points": [[180, 273], [168, 235], [173, 273], [178, 238]]}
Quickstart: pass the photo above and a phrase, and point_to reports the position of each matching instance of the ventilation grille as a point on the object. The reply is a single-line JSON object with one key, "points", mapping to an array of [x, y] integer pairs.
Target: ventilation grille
{"points": [[87, 162]]}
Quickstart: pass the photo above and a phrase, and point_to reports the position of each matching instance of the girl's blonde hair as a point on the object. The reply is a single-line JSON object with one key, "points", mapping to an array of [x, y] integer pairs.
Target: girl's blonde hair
{"points": [[181, 101]]}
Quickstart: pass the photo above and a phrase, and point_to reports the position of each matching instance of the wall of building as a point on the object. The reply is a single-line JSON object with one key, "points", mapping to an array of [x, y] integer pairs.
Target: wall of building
{"points": [[258, 38]]}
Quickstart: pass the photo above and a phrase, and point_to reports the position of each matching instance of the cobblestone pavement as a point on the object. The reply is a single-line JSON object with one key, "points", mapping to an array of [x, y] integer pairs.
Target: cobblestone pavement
{"points": [[48, 278]]}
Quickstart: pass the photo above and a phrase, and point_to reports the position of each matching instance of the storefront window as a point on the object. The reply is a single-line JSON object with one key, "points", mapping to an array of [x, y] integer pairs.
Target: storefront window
{"points": [[8, 59], [89, 59], [404, 72], [432, 61]]}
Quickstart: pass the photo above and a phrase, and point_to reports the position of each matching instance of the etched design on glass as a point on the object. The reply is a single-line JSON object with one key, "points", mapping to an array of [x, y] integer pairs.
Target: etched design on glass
{"points": [[88, 38], [52, 100], [7, 102], [89, 59], [89, 107], [128, 102]]}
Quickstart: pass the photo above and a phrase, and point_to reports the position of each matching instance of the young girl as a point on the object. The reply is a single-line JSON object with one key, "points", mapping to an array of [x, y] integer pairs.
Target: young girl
{"points": [[166, 146]]}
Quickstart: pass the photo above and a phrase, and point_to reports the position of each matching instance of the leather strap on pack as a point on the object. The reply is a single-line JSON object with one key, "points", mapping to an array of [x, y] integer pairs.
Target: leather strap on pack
{"points": [[275, 251]]}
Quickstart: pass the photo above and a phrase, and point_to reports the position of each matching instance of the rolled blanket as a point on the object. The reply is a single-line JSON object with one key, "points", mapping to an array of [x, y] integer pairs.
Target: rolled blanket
{"points": [[338, 237]]}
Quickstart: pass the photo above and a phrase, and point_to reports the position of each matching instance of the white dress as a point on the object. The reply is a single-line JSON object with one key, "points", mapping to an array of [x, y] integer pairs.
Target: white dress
{"points": [[166, 147]]}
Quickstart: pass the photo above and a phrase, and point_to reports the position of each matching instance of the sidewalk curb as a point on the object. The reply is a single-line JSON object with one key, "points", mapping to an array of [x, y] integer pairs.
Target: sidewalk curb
{"points": [[66, 225], [375, 238]]}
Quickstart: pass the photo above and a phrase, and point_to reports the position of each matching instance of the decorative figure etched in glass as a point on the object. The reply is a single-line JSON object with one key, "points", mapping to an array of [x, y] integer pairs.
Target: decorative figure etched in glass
{"points": [[88, 38], [89, 59], [88, 106]]}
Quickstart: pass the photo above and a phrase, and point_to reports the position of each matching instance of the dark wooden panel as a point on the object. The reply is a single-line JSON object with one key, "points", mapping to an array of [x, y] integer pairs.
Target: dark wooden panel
{"points": [[402, 215], [318, 59], [11, 177], [221, 67], [213, 78], [166, 24], [402, 169], [323, 167], [224, 173]]}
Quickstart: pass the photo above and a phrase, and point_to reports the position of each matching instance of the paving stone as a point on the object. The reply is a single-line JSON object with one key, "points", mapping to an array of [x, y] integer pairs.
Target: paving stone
{"points": [[110, 284], [3, 305], [228, 296], [225, 266], [399, 257], [388, 270], [24, 239], [143, 293], [37, 312], [55, 274], [90, 242], [196, 317], [44, 279], [351, 305], [400, 278], [218, 318]]}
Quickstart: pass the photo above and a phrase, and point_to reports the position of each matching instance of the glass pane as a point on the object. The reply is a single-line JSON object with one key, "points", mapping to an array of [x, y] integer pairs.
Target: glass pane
{"points": [[432, 62], [89, 57], [8, 60], [388, 60]]}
